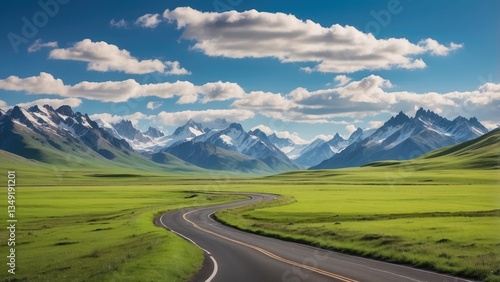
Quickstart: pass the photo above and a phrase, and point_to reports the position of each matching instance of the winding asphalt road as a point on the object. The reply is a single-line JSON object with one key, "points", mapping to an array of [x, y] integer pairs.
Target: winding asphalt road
{"points": [[233, 255]]}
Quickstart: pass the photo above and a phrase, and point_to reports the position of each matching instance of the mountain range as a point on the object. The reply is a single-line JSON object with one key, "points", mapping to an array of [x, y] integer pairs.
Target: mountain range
{"points": [[403, 138], [47, 135], [68, 139]]}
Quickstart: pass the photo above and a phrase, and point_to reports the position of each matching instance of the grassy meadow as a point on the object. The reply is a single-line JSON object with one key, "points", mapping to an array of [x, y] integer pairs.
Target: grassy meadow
{"points": [[90, 226], [77, 223], [446, 220]]}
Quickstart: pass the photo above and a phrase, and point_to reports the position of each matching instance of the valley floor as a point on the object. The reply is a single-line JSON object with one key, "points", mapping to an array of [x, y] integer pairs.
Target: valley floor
{"points": [[89, 226], [446, 221]]}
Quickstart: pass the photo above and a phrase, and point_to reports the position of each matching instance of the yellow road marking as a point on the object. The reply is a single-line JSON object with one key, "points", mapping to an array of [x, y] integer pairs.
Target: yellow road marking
{"points": [[269, 254]]}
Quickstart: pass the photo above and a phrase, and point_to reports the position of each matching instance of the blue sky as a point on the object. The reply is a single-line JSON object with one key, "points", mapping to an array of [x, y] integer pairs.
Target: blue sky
{"points": [[295, 67]]}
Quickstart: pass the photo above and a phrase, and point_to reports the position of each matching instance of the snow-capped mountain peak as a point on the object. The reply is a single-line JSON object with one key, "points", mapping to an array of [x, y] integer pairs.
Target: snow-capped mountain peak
{"points": [[403, 137], [191, 128], [58, 129]]}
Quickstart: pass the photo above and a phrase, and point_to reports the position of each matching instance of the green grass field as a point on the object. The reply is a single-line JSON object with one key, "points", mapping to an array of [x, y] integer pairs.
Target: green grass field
{"points": [[433, 220], [440, 211], [102, 232], [96, 224]]}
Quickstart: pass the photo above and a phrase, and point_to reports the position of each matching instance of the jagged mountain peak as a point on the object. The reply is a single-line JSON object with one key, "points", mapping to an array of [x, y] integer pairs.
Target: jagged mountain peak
{"points": [[124, 122], [358, 133], [154, 132], [426, 113], [337, 138], [257, 132], [16, 113], [192, 126], [35, 108], [236, 126], [400, 118], [51, 129], [403, 138], [65, 110], [191, 122], [126, 129]]}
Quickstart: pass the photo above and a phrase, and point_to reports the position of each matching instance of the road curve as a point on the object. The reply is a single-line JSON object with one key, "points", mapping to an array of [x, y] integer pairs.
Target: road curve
{"points": [[240, 256]]}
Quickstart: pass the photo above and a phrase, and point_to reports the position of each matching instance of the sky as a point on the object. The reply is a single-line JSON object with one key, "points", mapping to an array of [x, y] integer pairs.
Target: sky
{"points": [[300, 69]]}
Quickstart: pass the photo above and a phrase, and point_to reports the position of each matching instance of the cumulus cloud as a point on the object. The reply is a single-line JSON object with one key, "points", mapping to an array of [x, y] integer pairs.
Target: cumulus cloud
{"points": [[432, 46], [3, 104], [342, 79], [118, 24], [154, 105], [264, 101], [39, 44], [294, 136], [322, 137], [334, 49], [221, 91], [104, 57], [148, 20], [44, 83], [54, 103], [370, 96], [174, 68], [122, 91]]}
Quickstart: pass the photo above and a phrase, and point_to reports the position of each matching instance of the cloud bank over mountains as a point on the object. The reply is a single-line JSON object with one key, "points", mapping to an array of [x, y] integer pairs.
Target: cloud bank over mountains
{"points": [[356, 99]]}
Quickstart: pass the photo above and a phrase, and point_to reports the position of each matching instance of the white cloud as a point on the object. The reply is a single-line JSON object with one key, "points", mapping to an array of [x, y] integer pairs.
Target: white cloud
{"points": [[437, 49], [342, 79], [368, 97], [375, 124], [109, 118], [350, 128], [102, 56], [118, 24], [205, 116], [490, 124], [3, 104], [45, 83], [322, 137], [54, 103], [174, 68], [38, 44], [294, 136], [221, 91], [334, 49], [121, 91], [148, 20], [264, 101], [154, 105]]}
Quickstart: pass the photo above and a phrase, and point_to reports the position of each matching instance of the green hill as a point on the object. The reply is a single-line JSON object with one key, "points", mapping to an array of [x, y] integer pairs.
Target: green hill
{"points": [[479, 153]]}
